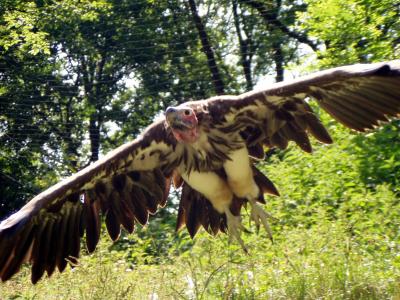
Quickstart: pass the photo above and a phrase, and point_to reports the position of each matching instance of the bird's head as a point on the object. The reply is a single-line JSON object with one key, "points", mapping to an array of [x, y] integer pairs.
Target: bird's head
{"points": [[183, 123]]}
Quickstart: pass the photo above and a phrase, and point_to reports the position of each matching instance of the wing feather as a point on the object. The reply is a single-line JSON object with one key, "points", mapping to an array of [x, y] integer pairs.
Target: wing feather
{"points": [[125, 186], [360, 97], [195, 211]]}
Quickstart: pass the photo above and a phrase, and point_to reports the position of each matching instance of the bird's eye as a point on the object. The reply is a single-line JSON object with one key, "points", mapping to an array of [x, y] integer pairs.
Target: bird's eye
{"points": [[187, 112]]}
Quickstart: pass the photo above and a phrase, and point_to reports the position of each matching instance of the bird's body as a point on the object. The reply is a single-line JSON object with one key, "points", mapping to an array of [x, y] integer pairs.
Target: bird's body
{"points": [[219, 179], [208, 148]]}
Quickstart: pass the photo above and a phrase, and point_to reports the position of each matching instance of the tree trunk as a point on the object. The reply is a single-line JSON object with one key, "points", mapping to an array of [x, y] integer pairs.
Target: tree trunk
{"points": [[279, 61], [72, 150], [92, 74], [94, 136], [207, 49], [270, 17], [245, 56]]}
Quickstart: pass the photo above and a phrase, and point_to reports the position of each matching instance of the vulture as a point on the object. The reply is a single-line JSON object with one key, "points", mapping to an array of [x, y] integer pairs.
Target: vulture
{"points": [[207, 147]]}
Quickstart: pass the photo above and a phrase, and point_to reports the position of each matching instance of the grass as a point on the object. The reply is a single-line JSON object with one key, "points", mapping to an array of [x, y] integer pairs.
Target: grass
{"points": [[322, 262]]}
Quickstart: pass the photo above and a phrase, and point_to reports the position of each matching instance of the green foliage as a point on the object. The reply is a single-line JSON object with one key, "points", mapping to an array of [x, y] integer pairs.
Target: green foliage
{"points": [[18, 29], [379, 157], [353, 31]]}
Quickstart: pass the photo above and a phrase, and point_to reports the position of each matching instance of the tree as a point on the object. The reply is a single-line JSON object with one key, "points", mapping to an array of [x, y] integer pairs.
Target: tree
{"points": [[26, 81], [207, 49], [353, 31], [282, 42]]}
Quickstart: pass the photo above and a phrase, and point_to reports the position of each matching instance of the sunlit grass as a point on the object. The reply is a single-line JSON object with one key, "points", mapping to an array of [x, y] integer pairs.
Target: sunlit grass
{"points": [[322, 262]]}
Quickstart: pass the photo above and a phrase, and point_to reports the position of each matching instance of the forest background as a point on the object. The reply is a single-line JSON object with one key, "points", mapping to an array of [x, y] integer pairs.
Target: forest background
{"points": [[79, 78]]}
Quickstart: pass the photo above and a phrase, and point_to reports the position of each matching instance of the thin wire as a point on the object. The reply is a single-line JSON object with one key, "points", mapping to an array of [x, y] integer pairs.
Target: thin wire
{"points": [[173, 49]]}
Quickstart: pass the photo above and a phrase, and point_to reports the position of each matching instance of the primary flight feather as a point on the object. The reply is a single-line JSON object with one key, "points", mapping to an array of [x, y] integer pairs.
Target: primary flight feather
{"points": [[207, 147]]}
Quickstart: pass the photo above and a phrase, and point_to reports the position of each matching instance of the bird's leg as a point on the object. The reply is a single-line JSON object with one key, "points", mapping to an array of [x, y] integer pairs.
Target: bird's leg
{"points": [[241, 181], [235, 228], [260, 216]]}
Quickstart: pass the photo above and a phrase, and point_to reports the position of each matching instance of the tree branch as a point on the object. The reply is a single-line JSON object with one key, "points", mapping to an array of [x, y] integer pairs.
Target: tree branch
{"points": [[271, 19], [245, 57], [207, 49]]}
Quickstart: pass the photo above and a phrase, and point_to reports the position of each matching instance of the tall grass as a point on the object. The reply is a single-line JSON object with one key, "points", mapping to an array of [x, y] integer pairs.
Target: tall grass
{"points": [[322, 262]]}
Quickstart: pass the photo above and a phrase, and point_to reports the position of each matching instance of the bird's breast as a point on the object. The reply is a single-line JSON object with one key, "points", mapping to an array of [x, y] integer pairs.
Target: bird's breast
{"points": [[210, 151]]}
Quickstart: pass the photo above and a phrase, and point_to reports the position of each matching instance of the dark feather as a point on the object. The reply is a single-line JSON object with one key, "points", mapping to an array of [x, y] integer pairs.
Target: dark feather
{"points": [[190, 211], [214, 218], [388, 88], [177, 179], [52, 255], [17, 258], [92, 225], [156, 193], [289, 105], [65, 249], [140, 203], [73, 248], [361, 113], [119, 182], [113, 225], [121, 212], [6, 247], [152, 204], [278, 140], [236, 205], [256, 151], [282, 114], [100, 190], [317, 129], [300, 121], [149, 184], [264, 183], [166, 191], [368, 98], [193, 218], [293, 133], [42, 258], [134, 175], [160, 178], [128, 214], [344, 119], [60, 260], [76, 239], [180, 220], [36, 256], [203, 212]]}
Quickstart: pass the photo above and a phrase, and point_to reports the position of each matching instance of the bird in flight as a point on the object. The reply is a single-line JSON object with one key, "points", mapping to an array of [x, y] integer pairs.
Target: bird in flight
{"points": [[207, 147]]}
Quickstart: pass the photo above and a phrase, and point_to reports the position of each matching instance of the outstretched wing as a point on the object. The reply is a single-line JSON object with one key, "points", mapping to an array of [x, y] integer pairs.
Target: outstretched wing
{"points": [[359, 96], [127, 185]]}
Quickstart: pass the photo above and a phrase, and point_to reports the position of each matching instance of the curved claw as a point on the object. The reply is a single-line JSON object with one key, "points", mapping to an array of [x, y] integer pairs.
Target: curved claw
{"points": [[260, 216], [235, 228]]}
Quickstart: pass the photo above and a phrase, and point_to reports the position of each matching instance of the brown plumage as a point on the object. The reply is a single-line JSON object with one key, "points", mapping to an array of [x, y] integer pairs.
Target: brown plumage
{"points": [[203, 147]]}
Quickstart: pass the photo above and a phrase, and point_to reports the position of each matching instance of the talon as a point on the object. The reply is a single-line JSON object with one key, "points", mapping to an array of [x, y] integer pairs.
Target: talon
{"points": [[235, 228], [259, 216]]}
